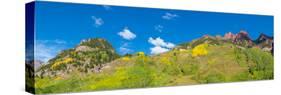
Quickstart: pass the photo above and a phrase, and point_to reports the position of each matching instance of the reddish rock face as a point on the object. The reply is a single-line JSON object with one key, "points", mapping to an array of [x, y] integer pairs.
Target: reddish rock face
{"points": [[243, 35], [229, 36], [240, 38]]}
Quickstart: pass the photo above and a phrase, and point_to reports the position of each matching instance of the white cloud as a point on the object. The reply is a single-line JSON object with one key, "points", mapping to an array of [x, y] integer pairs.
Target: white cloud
{"points": [[158, 28], [160, 45], [98, 21], [158, 50], [127, 34], [46, 49], [157, 41], [124, 49], [169, 16], [160, 42]]}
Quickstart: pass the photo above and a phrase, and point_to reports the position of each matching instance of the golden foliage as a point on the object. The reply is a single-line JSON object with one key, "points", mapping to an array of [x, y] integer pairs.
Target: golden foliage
{"points": [[165, 60], [65, 61], [141, 54], [200, 50], [58, 78], [126, 58], [142, 58]]}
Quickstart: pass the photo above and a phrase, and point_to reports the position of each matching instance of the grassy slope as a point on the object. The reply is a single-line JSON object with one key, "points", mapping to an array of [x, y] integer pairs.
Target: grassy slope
{"points": [[223, 63]]}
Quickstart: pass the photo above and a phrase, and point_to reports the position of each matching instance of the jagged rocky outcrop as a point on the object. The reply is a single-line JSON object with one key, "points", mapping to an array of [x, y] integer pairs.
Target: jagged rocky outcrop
{"points": [[229, 36], [265, 42], [242, 38]]}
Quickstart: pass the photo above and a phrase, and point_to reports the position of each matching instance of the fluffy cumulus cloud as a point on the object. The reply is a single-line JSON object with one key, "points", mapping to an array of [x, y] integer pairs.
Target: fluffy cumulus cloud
{"points": [[169, 16], [158, 28], [127, 34], [160, 42], [158, 50], [47, 49], [160, 45], [98, 21]]}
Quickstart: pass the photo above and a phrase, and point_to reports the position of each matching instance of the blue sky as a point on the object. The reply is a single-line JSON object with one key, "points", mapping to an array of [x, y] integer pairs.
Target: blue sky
{"points": [[62, 26]]}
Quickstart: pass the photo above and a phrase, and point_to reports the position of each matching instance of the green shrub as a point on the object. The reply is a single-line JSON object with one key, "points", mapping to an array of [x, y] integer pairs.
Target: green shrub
{"points": [[214, 78], [210, 77], [189, 68], [243, 76], [240, 57], [137, 76], [262, 67]]}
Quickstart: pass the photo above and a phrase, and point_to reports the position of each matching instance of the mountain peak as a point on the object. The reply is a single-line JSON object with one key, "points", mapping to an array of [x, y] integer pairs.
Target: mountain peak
{"points": [[264, 37], [95, 42], [243, 34], [265, 42], [229, 35], [242, 38], [88, 56]]}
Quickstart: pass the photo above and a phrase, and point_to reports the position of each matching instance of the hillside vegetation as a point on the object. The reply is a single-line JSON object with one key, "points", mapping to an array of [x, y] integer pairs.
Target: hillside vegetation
{"points": [[197, 62]]}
